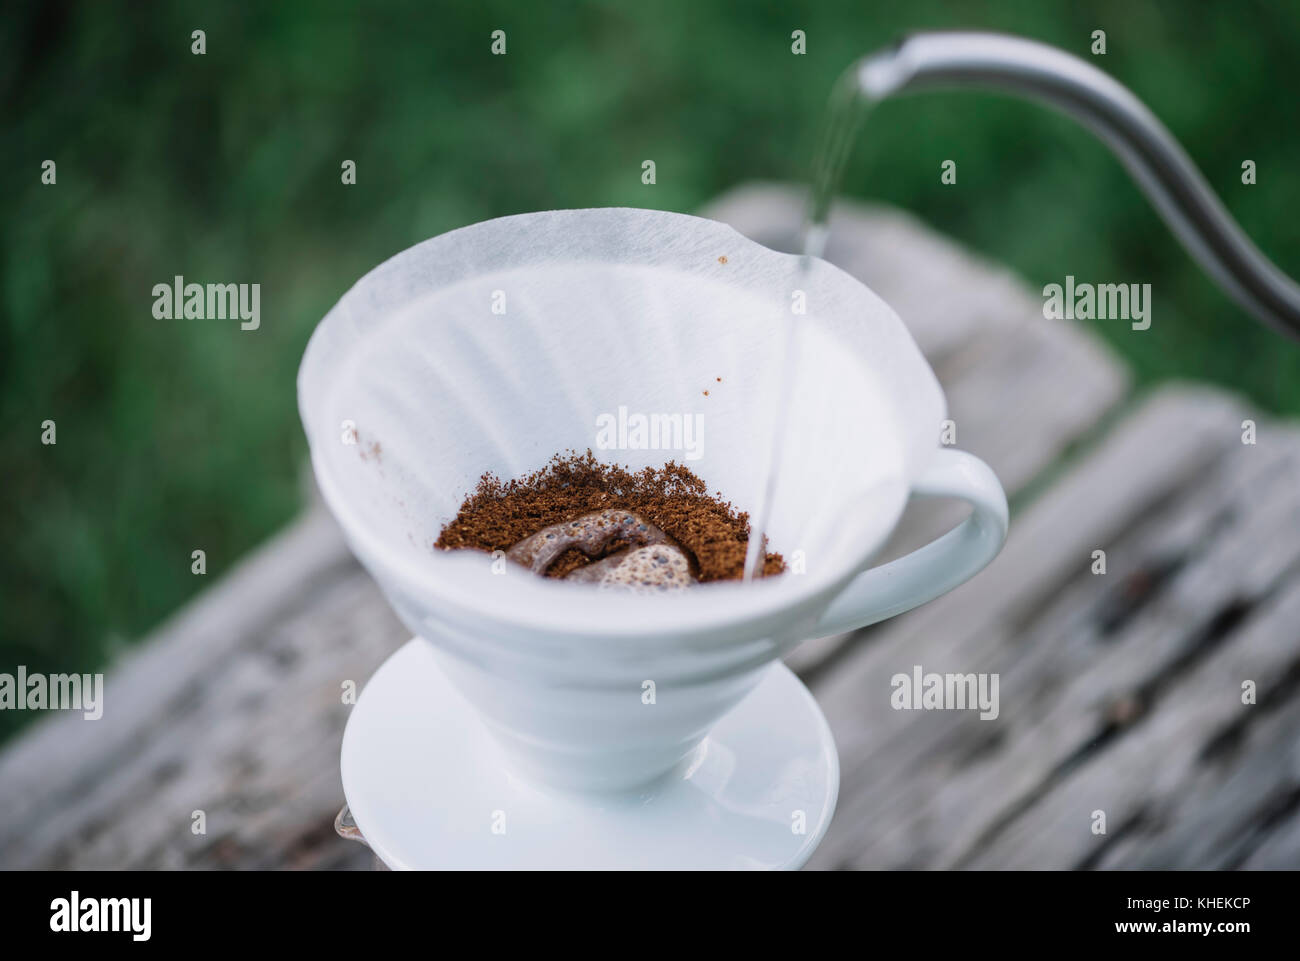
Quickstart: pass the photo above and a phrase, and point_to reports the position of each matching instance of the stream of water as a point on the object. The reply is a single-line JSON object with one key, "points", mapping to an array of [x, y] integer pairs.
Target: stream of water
{"points": [[844, 115]]}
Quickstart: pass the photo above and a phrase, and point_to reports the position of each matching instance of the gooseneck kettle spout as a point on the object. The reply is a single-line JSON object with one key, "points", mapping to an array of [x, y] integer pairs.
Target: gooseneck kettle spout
{"points": [[1038, 72]]}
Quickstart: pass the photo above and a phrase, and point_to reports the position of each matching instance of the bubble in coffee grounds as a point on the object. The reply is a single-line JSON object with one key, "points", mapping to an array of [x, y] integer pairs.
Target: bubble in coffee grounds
{"points": [[708, 533], [642, 570], [650, 562], [594, 534]]}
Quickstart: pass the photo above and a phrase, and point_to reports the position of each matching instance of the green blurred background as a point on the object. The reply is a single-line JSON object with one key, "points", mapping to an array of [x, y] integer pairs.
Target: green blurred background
{"points": [[176, 435]]}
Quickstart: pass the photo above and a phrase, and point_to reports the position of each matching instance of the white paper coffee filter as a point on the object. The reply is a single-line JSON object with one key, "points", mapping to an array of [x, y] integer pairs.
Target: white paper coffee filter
{"points": [[491, 348]]}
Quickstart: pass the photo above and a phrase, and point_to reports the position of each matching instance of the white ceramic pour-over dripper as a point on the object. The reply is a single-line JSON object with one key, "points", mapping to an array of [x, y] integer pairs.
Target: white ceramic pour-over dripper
{"points": [[493, 347]]}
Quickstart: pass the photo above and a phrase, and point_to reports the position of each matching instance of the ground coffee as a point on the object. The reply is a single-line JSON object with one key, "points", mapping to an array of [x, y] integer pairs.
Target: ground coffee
{"points": [[499, 514]]}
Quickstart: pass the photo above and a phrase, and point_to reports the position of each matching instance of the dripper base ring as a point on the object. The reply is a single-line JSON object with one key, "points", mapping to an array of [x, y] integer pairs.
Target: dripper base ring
{"points": [[428, 787]]}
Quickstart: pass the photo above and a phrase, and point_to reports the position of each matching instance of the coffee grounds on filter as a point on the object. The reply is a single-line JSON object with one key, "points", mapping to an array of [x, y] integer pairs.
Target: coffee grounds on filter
{"points": [[499, 514]]}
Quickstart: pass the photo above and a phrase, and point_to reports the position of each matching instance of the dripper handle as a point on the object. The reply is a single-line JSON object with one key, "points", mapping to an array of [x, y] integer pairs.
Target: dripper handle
{"points": [[882, 592]]}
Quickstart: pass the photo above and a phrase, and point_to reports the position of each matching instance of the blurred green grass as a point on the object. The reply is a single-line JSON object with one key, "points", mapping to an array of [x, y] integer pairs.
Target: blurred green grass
{"points": [[176, 435]]}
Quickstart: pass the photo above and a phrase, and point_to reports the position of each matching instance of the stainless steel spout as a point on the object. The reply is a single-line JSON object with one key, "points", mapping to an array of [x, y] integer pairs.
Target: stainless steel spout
{"points": [[1036, 71]]}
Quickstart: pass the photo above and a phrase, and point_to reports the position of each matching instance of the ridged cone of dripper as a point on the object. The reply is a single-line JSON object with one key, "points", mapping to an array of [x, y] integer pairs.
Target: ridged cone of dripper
{"points": [[494, 347]]}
